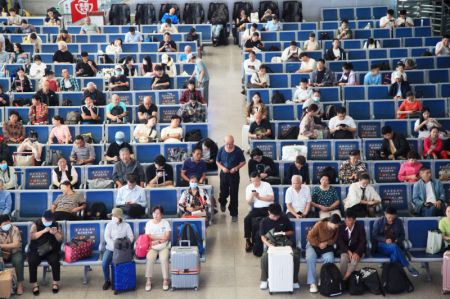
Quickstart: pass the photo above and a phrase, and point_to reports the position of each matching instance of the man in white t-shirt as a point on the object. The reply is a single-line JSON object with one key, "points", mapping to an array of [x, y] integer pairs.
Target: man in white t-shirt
{"points": [[298, 199], [259, 196], [308, 64], [403, 20], [251, 64], [303, 92], [172, 133], [442, 47], [248, 33], [342, 126], [388, 21]]}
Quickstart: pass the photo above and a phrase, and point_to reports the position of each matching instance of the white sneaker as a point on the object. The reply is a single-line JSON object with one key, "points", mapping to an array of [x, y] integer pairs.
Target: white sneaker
{"points": [[263, 285], [296, 286], [313, 288]]}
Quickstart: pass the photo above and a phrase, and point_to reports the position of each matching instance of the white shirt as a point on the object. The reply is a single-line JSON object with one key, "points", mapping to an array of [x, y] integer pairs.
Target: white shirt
{"points": [[335, 122], [310, 65], [337, 53], [129, 38], [125, 194], [395, 73], [441, 49], [170, 130], [264, 189], [73, 173], [288, 51], [114, 231], [302, 95], [355, 192], [67, 84], [431, 197], [157, 230], [246, 35], [298, 199], [37, 71], [251, 67], [423, 133], [409, 22], [385, 22]]}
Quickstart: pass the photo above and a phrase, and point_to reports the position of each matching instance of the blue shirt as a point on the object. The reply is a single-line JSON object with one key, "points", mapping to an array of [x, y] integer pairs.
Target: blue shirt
{"points": [[200, 67], [110, 106], [372, 80], [182, 57], [166, 16], [272, 26], [5, 202], [193, 168], [230, 160]]}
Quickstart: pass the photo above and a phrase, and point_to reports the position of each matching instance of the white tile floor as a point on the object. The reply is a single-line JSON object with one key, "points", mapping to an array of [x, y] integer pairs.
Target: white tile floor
{"points": [[229, 272]]}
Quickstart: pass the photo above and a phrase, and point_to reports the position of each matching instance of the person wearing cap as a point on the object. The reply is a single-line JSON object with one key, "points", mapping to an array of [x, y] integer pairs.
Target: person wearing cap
{"points": [[64, 36], [321, 76], [302, 92], [131, 198], [26, 27], [167, 44], [193, 111], [259, 196], [264, 166], [325, 198], [116, 111], [35, 40], [46, 238], [260, 128], [344, 32], [373, 77], [125, 166], [273, 25], [161, 80], [112, 153], [342, 126], [119, 82], [97, 96], [254, 43], [86, 67], [21, 82], [37, 68], [362, 198], [251, 64], [133, 36], [248, 33], [194, 166], [173, 132], [38, 113], [168, 27], [62, 55], [399, 88], [89, 27], [399, 70], [388, 20], [291, 53], [171, 15], [115, 229], [47, 95], [308, 64], [442, 47], [147, 109], [160, 173], [191, 93], [168, 65], [68, 204], [67, 82], [11, 249], [403, 20], [311, 44], [349, 169]]}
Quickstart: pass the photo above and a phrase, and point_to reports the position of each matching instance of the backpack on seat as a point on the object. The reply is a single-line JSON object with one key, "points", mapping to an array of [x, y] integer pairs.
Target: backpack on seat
{"points": [[330, 280], [73, 118], [394, 279]]}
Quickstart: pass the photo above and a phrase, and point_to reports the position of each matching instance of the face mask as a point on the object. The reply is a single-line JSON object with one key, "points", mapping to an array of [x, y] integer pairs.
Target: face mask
{"points": [[47, 223], [119, 142], [115, 219], [193, 185], [3, 166], [316, 99], [6, 227], [118, 73]]}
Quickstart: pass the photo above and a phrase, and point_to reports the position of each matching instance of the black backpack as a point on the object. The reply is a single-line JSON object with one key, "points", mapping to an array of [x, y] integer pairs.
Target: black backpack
{"points": [[193, 13], [265, 5], [290, 133], [278, 98], [145, 14], [371, 280], [330, 112], [116, 110], [355, 283], [193, 135], [330, 280], [292, 11], [97, 211], [394, 279]]}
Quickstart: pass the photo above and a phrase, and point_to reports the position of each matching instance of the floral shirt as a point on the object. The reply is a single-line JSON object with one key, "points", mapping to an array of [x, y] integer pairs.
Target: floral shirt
{"points": [[16, 131], [38, 114], [347, 169]]}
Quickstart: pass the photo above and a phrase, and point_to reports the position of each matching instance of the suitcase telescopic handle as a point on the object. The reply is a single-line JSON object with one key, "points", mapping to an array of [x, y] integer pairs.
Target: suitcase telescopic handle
{"points": [[188, 242]]}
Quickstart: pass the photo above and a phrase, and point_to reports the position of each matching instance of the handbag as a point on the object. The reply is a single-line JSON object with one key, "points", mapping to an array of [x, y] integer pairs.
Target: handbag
{"points": [[142, 246], [100, 184], [44, 249], [158, 247], [77, 249], [434, 242]]}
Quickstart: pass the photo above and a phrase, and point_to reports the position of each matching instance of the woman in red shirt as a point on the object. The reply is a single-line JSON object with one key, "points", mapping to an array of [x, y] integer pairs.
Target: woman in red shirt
{"points": [[409, 106], [432, 145]]}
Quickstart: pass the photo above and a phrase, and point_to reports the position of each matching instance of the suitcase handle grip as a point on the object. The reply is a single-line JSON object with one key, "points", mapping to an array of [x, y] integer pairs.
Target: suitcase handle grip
{"points": [[188, 242]]}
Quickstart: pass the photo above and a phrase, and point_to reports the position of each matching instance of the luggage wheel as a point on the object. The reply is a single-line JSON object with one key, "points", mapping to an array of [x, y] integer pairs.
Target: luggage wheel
{"points": [[270, 293], [196, 289], [116, 292]]}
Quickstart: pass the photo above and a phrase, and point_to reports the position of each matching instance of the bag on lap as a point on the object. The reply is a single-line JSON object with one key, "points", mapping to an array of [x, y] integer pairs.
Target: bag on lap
{"points": [[100, 184], [78, 248], [330, 280], [123, 251], [394, 279]]}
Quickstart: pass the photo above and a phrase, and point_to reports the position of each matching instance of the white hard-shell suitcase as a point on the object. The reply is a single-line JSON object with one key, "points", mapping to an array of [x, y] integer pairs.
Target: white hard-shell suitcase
{"points": [[281, 269], [185, 267]]}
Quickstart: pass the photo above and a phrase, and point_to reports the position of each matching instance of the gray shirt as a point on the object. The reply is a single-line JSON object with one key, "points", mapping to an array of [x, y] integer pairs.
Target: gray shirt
{"points": [[133, 167], [86, 152]]}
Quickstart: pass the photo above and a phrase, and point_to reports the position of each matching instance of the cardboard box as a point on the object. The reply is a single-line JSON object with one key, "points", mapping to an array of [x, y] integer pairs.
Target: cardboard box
{"points": [[6, 278]]}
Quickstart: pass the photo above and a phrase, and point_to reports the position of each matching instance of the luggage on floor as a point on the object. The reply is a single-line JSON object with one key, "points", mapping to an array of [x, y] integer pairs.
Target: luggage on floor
{"points": [[123, 277], [434, 242], [77, 249], [394, 279], [371, 280], [189, 232], [355, 283], [446, 273], [6, 282], [281, 269], [123, 251], [185, 266], [330, 280]]}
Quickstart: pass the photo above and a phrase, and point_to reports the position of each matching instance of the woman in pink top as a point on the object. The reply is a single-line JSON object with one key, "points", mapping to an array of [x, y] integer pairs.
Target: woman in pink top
{"points": [[60, 131], [409, 170], [432, 145]]}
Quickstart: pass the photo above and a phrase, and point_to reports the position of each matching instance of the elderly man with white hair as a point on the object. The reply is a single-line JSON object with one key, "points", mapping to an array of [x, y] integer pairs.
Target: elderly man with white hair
{"points": [[89, 27], [183, 58], [298, 199], [63, 55], [97, 96]]}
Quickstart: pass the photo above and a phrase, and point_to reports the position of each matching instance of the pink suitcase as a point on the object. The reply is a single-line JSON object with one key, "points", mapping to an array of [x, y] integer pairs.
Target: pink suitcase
{"points": [[446, 273]]}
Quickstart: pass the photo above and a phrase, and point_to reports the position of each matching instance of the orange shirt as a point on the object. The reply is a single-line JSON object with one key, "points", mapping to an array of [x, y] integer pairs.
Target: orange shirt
{"points": [[408, 106]]}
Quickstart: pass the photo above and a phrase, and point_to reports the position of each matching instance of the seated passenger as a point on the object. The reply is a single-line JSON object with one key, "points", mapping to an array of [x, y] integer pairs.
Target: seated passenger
{"points": [[159, 230], [388, 235], [131, 198], [444, 227], [373, 77], [256, 105], [86, 67], [13, 130], [425, 123], [13, 18], [68, 204], [276, 222], [51, 19], [21, 82], [308, 64], [89, 27], [60, 131], [409, 107], [308, 127], [89, 112], [264, 166], [399, 70], [191, 92], [147, 109], [299, 167], [31, 143], [297, 199], [117, 228], [119, 82], [193, 111], [260, 128], [64, 36], [315, 99], [325, 198], [395, 146], [311, 44], [161, 80], [335, 52], [342, 126], [442, 47], [116, 111], [403, 20], [351, 168], [146, 68], [321, 76], [82, 153], [172, 133], [371, 43], [302, 92], [291, 53], [167, 44], [5, 201], [260, 79], [254, 43], [146, 132], [251, 64], [38, 113], [428, 199], [433, 146], [273, 25], [194, 167], [62, 173], [409, 170], [159, 174], [348, 76], [112, 153], [63, 55], [388, 20], [209, 153], [11, 244], [133, 36], [248, 33], [362, 198], [48, 96], [95, 94], [67, 82], [168, 65], [194, 201], [351, 244], [321, 239], [344, 32], [168, 27], [8, 175], [127, 165]]}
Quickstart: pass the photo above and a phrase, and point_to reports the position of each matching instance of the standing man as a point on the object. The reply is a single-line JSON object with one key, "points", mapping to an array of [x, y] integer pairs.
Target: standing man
{"points": [[200, 73], [229, 160]]}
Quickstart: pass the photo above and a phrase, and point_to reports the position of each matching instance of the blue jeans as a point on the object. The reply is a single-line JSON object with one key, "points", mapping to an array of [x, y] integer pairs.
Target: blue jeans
{"points": [[106, 263], [311, 260], [394, 252], [431, 212]]}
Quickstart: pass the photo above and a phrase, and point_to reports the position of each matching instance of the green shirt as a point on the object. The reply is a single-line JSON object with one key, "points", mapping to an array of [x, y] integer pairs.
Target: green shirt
{"points": [[444, 226]]}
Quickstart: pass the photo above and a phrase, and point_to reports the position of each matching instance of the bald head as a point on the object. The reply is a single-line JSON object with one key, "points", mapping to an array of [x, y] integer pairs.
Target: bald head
{"points": [[229, 142]]}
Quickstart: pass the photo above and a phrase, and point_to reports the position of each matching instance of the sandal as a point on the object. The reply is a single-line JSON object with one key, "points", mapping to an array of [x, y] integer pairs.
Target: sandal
{"points": [[55, 288], [166, 285], [36, 290]]}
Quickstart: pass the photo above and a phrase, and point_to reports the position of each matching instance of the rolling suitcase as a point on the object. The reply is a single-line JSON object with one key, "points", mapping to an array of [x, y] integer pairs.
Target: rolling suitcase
{"points": [[281, 269], [446, 273], [123, 277], [185, 267]]}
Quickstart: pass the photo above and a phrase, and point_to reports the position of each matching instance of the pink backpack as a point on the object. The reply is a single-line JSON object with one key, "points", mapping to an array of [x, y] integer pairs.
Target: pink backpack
{"points": [[142, 246]]}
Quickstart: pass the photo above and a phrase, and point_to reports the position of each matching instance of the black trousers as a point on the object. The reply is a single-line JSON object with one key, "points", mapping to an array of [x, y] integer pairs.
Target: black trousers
{"points": [[134, 211], [229, 187], [363, 210], [34, 260], [61, 215], [255, 212]]}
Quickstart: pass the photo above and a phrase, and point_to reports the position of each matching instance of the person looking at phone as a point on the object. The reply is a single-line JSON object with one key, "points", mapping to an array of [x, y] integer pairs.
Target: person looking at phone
{"points": [[160, 174], [342, 126]]}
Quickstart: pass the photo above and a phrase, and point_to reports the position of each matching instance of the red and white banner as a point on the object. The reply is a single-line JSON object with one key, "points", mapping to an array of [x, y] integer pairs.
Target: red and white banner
{"points": [[80, 8]]}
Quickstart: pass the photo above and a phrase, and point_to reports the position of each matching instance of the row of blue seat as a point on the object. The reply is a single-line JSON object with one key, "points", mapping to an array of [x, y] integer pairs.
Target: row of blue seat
{"points": [[352, 13]]}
